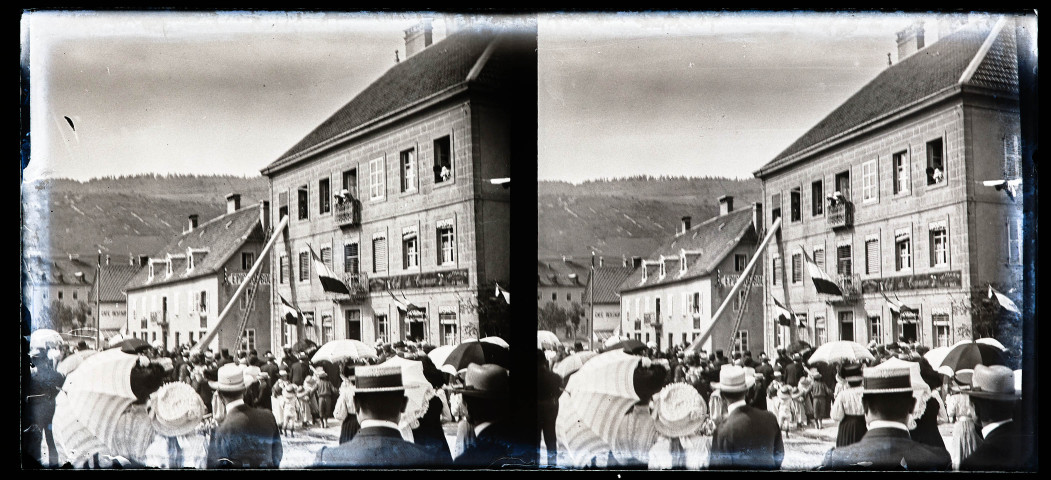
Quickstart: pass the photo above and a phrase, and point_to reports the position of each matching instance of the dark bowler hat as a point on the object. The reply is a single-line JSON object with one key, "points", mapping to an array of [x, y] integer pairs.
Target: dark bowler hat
{"points": [[376, 379], [486, 381]]}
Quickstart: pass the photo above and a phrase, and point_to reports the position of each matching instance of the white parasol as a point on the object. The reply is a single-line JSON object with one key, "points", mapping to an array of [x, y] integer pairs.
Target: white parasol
{"points": [[547, 340], [992, 341], [841, 351], [45, 338], [439, 354], [340, 350], [418, 390], [573, 363], [496, 340], [936, 355]]}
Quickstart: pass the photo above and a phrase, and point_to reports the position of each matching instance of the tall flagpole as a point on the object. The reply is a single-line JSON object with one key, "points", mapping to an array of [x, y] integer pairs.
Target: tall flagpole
{"points": [[98, 313], [591, 316]]}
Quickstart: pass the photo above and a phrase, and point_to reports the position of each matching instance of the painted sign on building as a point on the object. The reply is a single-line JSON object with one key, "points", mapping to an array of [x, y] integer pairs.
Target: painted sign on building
{"points": [[951, 279], [239, 278], [451, 278], [727, 281]]}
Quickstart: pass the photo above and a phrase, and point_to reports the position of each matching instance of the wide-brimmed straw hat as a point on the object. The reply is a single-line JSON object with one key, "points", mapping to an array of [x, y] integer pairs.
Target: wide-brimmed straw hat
{"points": [[995, 382], [678, 410], [176, 409], [231, 378], [878, 381], [252, 374], [733, 378]]}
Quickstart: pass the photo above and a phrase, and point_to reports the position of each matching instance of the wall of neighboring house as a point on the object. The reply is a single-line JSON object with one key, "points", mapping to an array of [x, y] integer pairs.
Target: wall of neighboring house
{"points": [[186, 314]]}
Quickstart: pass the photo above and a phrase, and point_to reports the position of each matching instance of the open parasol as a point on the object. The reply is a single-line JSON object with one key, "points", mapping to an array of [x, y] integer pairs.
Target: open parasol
{"points": [[547, 340], [439, 354], [841, 351], [593, 417], [134, 345], [340, 350], [935, 356], [70, 363], [992, 341], [628, 345], [475, 351], [417, 389], [572, 363], [966, 355], [45, 338], [496, 341]]}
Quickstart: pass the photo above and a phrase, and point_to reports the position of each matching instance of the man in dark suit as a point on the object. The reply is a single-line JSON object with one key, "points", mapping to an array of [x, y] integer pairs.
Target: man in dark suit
{"points": [[1005, 447], [299, 370], [379, 400], [887, 400], [248, 437], [270, 367], [748, 438], [795, 370], [486, 397], [765, 368]]}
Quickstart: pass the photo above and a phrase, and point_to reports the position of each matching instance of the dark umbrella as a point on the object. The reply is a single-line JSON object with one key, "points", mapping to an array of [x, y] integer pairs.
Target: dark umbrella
{"points": [[475, 351], [332, 370], [134, 345], [629, 345], [966, 355]]}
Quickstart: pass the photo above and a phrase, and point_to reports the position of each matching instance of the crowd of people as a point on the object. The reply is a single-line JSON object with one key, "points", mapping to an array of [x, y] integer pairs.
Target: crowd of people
{"points": [[742, 409], [204, 409]]}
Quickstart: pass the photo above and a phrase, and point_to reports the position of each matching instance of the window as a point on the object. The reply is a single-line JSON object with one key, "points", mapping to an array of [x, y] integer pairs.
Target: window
{"points": [[168, 267], [328, 332], [875, 329], [350, 258], [308, 319], [939, 242], [554, 296], [154, 335], [247, 260], [353, 324], [350, 182], [326, 257], [191, 338], [935, 162], [796, 204], [741, 341], [569, 297], [60, 294], [203, 308], [447, 320], [247, 340], [150, 278], [819, 257], [739, 301], [817, 198], [143, 324], [872, 263], [282, 202], [776, 271], [843, 260], [1014, 242], [285, 266], [740, 261], [304, 266], [682, 262], [775, 207], [662, 271], [377, 181], [74, 295], [304, 212], [846, 326], [941, 329], [693, 305], [843, 184], [382, 328], [410, 248], [869, 181], [443, 160], [324, 194], [900, 164], [902, 250], [797, 268], [1012, 157], [801, 327], [408, 170], [446, 243], [819, 331], [379, 254]]}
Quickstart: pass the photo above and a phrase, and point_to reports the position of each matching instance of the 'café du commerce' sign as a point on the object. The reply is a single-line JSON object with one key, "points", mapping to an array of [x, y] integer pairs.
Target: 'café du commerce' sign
{"points": [[449, 278], [239, 278], [951, 279], [727, 281]]}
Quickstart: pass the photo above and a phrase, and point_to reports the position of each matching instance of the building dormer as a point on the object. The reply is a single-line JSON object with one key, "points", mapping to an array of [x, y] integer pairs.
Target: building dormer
{"points": [[682, 261], [168, 266], [644, 270], [194, 256], [663, 270]]}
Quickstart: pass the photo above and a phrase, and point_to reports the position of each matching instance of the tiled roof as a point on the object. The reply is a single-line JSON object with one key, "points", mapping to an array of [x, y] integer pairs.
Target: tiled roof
{"points": [[114, 278], [706, 244], [437, 68], [605, 282], [933, 69], [558, 273], [60, 270], [222, 236]]}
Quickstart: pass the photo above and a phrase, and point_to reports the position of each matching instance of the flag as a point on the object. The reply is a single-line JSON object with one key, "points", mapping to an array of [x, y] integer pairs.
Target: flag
{"points": [[822, 282], [784, 316], [289, 313], [503, 293], [1003, 300], [329, 281], [404, 305], [895, 307]]}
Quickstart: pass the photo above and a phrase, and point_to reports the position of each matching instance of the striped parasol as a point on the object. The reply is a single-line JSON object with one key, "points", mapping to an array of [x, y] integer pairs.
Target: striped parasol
{"points": [[572, 363], [593, 410], [70, 363]]}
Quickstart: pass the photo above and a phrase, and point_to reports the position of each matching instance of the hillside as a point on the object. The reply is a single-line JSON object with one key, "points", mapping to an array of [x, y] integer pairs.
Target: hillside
{"points": [[127, 215], [627, 216]]}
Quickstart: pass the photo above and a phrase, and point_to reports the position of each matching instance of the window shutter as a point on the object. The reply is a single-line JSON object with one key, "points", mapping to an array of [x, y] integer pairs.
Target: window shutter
{"points": [[379, 255], [350, 258], [819, 258], [843, 260], [872, 263], [797, 268]]}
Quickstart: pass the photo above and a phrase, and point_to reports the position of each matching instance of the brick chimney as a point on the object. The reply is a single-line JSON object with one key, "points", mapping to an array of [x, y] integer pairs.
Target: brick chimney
{"points": [[685, 224], [726, 204], [910, 40], [144, 260], [417, 38], [193, 222], [233, 202]]}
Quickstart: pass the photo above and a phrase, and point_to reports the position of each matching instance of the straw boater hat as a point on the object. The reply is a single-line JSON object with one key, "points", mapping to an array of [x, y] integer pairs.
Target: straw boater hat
{"points": [[995, 382], [486, 381], [231, 378], [176, 409], [734, 379], [376, 379], [678, 410], [878, 381]]}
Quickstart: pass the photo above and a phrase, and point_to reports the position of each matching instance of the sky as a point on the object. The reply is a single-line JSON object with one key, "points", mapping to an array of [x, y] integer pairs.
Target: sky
{"points": [[619, 95], [696, 95]]}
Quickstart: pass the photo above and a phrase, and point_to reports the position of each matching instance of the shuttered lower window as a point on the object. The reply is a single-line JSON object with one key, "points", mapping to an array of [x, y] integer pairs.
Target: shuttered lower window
{"points": [[350, 258], [843, 260], [797, 268], [819, 258], [326, 257], [872, 256], [379, 254], [284, 269], [304, 266]]}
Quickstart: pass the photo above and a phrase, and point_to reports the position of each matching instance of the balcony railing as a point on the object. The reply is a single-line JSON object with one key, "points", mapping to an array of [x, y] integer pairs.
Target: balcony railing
{"points": [[841, 215], [358, 284], [850, 285], [348, 212]]}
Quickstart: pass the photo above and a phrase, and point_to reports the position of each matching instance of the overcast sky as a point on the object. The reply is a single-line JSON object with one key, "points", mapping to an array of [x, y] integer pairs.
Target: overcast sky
{"points": [[712, 94], [697, 94]]}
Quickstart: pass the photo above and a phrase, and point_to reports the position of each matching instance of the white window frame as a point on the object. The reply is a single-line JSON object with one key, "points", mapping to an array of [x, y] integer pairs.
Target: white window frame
{"points": [[248, 340], [448, 316], [382, 320], [329, 325], [386, 262], [741, 341], [947, 323], [932, 230], [870, 181], [446, 247], [377, 179], [877, 322], [410, 244], [452, 160], [902, 262], [408, 170], [819, 258], [901, 166], [869, 270]]}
